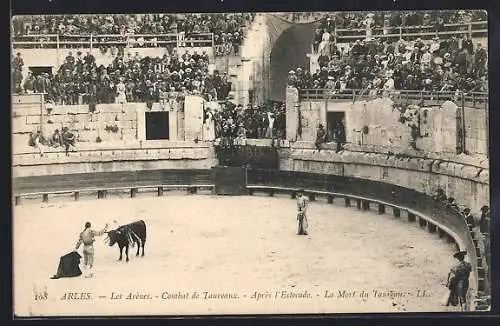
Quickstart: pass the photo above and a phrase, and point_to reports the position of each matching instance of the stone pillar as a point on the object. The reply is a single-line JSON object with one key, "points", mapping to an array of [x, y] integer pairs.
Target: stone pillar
{"points": [[173, 121], [141, 122], [292, 113]]}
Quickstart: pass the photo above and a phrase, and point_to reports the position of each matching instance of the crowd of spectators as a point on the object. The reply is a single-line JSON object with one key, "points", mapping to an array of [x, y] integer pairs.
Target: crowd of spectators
{"points": [[129, 78], [237, 122], [376, 65], [380, 19], [227, 29]]}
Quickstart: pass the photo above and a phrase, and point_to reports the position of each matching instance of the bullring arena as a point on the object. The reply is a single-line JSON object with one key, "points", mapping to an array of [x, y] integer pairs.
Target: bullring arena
{"points": [[216, 183]]}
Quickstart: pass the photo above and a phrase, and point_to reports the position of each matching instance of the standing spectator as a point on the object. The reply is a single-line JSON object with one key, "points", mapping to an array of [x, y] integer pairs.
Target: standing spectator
{"points": [[270, 125], [17, 79], [18, 62], [480, 60], [318, 35], [120, 90], [467, 44], [368, 23], [340, 137], [469, 219], [439, 26], [29, 83], [324, 46], [320, 137]]}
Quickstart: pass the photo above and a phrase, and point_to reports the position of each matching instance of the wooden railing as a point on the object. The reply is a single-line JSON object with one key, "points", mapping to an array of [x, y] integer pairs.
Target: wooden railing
{"points": [[102, 192], [472, 29], [367, 194], [90, 41], [472, 99]]}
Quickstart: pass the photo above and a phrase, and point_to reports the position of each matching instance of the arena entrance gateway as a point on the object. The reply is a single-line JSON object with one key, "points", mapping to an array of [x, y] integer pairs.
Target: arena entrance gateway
{"points": [[157, 125]]}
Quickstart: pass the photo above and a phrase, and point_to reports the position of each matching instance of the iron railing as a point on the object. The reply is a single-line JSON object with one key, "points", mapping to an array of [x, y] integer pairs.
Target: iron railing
{"points": [[472, 29], [58, 41], [472, 99]]}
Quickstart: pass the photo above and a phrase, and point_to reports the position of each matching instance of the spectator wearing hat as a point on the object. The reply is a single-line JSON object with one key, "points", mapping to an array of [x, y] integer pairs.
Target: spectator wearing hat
{"points": [[481, 57], [452, 204], [458, 280], [29, 83], [292, 79], [55, 140], [469, 219], [38, 141], [484, 221], [330, 86], [323, 59], [439, 25], [121, 96], [369, 22], [461, 61]]}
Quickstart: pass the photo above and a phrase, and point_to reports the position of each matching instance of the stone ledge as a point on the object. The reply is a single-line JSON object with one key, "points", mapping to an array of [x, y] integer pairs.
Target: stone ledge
{"points": [[327, 157]]}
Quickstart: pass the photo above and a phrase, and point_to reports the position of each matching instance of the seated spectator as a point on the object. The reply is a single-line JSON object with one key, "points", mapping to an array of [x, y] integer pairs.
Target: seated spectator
{"points": [[37, 141], [68, 140], [56, 139], [18, 62]]}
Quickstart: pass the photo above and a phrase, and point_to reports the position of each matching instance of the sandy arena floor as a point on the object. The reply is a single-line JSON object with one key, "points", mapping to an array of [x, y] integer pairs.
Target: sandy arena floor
{"points": [[235, 246]]}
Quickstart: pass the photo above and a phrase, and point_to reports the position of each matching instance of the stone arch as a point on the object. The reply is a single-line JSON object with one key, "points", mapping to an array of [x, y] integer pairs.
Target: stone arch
{"points": [[288, 52]]}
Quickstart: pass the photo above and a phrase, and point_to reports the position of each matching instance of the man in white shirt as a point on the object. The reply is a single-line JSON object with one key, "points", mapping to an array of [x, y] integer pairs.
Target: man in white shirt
{"points": [[302, 204], [325, 43], [426, 56], [271, 119], [434, 45]]}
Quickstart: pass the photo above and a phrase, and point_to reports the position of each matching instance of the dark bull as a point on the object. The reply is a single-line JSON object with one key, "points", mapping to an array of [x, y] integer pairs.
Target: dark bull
{"points": [[128, 235]]}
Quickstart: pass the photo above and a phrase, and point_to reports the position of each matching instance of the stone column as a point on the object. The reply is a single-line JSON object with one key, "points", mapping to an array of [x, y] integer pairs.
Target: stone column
{"points": [[292, 113]]}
